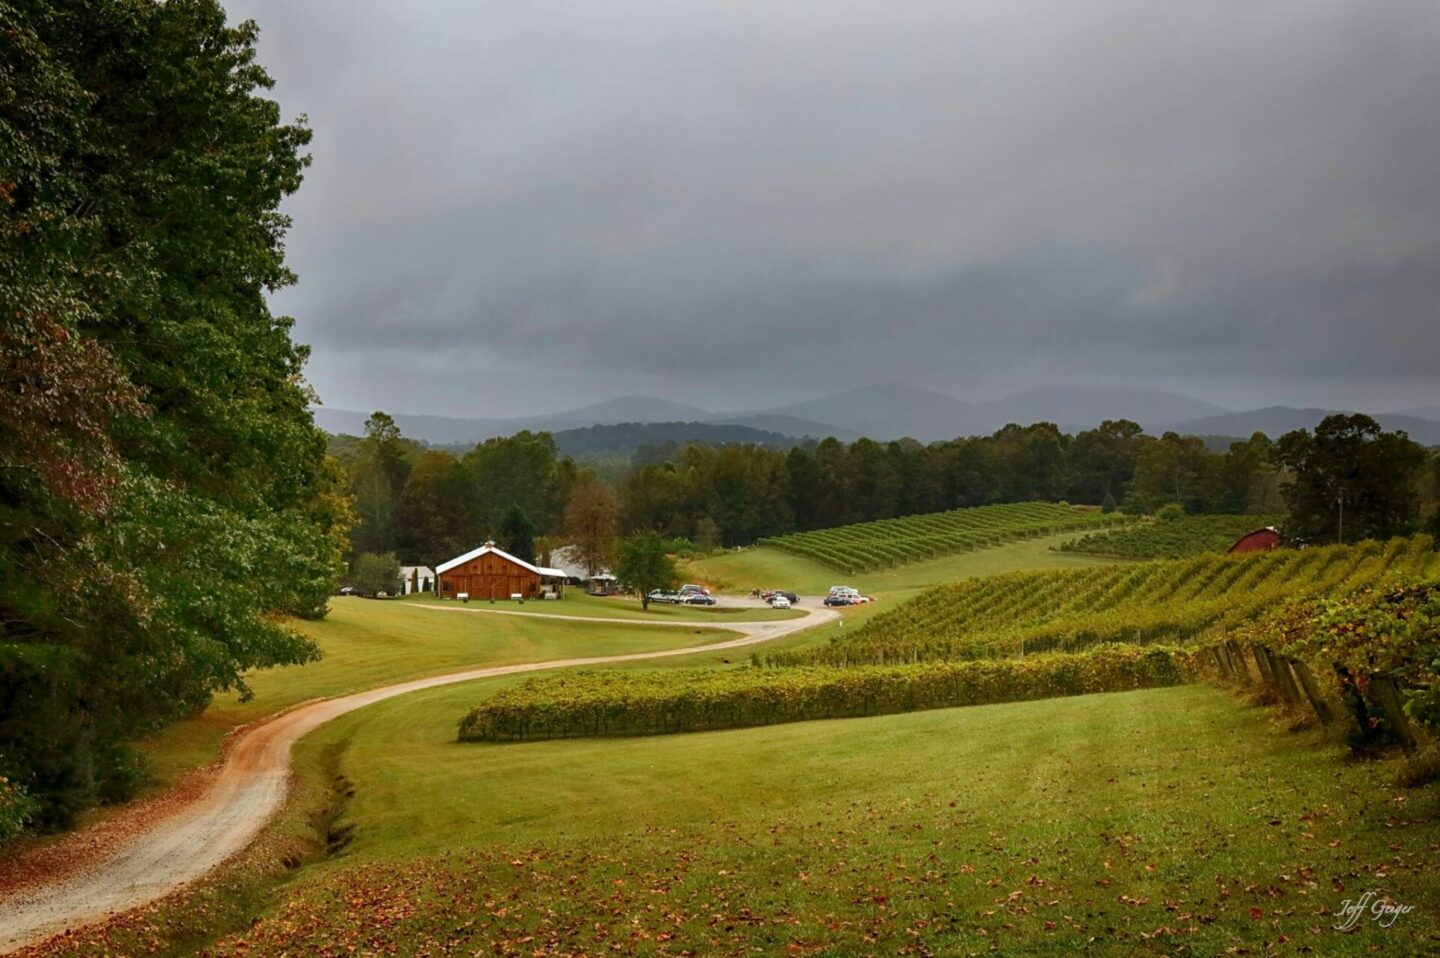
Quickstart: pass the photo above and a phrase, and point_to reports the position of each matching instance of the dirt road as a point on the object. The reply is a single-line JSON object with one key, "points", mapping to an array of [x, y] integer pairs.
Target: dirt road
{"points": [[249, 787]]}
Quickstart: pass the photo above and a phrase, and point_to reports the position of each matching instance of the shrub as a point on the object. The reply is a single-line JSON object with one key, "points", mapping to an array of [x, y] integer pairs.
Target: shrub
{"points": [[1170, 512], [375, 572], [646, 703]]}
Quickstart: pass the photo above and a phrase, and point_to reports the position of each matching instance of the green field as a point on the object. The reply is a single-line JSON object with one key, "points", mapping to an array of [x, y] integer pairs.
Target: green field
{"points": [[371, 643], [888, 543], [1147, 823], [1174, 539], [621, 607], [1163, 601], [766, 567], [1172, 821]]}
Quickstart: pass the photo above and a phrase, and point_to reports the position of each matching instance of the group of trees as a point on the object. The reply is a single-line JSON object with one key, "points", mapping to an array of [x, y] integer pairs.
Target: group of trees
{"points": [[746, 492], [428, 504], [163, 489]]}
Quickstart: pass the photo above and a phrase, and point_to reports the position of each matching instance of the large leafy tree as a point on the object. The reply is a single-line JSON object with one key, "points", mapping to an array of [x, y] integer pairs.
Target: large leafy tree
{"points": [[377, 479], [432, 516], [517, 534], [1350, 479], [1102, 461], [592, 521], [163, 489], [525, 470], [644, 565]]}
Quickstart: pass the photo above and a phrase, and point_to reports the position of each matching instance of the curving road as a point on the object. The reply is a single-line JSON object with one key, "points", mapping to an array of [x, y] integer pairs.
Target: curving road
{"points": [[250, 786]]}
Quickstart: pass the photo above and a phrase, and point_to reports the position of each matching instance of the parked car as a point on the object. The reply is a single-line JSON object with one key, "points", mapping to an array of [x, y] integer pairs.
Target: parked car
{"points": [[779, 602], [696, 598], [346, 590], [668, 598], [789, 597], [837, 600], [694, 590]]}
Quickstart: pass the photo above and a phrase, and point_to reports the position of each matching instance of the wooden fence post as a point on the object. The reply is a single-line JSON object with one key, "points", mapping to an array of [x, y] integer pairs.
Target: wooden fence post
{"points": [[1355, 700], [1238, 660], [1288, 688], [1389, 698], [1267, 675], [1312, 690]]}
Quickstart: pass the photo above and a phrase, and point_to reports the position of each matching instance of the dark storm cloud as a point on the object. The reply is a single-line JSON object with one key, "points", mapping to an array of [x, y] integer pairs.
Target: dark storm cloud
{"points": [[747, 202]]}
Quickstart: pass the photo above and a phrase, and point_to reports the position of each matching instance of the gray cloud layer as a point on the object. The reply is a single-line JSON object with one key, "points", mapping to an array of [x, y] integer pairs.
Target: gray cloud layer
{"points": [[742, 203]]}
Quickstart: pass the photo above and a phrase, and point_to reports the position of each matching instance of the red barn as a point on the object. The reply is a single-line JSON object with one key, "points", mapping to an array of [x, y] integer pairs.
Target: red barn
{"points": [[1261, 540], [491, 573]]}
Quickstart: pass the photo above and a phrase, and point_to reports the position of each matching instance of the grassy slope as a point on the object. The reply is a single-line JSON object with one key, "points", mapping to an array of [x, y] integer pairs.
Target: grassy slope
{"points": [[368, 644], [626, 607], [1036, 827], [765, 567]]}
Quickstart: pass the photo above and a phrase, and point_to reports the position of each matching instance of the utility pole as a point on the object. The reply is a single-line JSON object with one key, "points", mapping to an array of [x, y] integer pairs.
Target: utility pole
{"points": [[1341, 500]]}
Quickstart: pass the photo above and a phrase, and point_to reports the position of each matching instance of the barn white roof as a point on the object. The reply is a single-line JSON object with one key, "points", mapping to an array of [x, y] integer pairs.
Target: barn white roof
{"points": [[491, 547]]}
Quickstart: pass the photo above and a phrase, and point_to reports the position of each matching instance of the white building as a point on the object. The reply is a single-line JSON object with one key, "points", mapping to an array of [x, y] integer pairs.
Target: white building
{"points": [[417, 578]]}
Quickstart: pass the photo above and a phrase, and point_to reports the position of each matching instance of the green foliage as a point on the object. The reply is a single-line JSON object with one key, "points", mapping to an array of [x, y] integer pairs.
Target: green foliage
{"points": [[1173, 601], [163, 490], [431, 513], [591, 522], [1388, 629], [377, 477], [375, 572], [689, 700], [1351, 472], [645, 564], [517, 534], [707, 535], [890, 542], [1170, 512], [17, 809], [525, 471], [1183, 537]]}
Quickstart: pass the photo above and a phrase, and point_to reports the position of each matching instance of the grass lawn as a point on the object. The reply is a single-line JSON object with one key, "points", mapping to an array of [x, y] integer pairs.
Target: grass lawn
{"points": [[1163, 822], [577, 603], [372, 643], [369, 643]]}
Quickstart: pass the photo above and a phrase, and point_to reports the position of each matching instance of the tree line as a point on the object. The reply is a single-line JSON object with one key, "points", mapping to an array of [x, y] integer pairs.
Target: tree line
{"points": [[165, 498], [426, 505]]}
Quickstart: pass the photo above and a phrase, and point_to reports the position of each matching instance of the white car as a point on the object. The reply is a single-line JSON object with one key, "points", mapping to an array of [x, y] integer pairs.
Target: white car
{"points": [[779, 602]]}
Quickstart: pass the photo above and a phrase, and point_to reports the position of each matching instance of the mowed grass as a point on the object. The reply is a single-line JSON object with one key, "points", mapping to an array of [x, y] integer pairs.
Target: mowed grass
{"points": [[765, 567], [369, 643], [622, 607], [1164, 822]]}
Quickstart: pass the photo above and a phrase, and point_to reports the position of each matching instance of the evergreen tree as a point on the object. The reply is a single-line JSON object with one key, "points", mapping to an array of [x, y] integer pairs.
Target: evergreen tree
{"points": [[517, 534]]}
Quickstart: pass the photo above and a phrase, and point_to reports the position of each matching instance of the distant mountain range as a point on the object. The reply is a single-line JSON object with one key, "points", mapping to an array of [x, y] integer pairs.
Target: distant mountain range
{"points": [[623, 439], [891, 411]]}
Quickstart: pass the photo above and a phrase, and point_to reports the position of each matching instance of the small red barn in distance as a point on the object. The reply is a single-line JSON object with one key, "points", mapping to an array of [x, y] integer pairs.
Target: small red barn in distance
{"points": [[1261, 540]]}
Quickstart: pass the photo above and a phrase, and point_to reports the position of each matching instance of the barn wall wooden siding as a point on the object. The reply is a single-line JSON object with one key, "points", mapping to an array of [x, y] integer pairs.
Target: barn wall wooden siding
{"points": [[489, 577], [1261, 540]]}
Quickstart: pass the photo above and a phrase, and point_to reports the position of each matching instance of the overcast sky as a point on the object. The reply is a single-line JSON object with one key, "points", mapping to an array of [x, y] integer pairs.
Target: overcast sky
{"points": [[519, 206]]}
